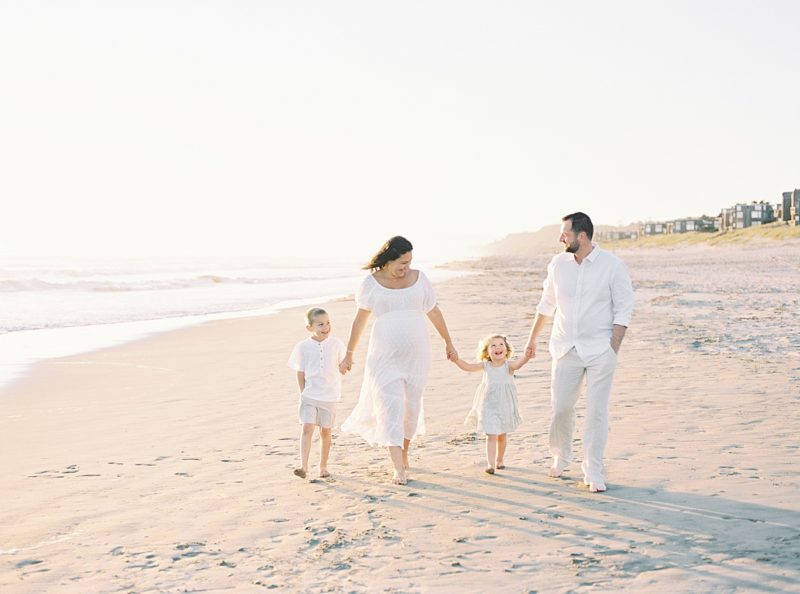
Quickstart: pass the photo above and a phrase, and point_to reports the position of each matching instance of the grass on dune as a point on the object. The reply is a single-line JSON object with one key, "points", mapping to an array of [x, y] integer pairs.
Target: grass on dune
{"points": [[770, 232]]}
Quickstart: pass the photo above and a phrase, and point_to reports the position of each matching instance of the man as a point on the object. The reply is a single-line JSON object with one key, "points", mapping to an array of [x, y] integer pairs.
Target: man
{"points": [[589, 296]]}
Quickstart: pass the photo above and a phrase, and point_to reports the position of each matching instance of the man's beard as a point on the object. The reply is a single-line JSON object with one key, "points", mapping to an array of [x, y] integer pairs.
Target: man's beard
{"points": [[571, 248]]}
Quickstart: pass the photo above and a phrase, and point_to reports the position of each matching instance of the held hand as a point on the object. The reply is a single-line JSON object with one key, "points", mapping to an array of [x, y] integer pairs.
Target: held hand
{"points": [[530, 350], [451, 353], [346, 364]]}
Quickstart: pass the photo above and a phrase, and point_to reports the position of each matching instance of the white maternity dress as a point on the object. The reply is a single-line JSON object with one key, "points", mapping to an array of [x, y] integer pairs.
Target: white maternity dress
{"points": [[389, 406]]}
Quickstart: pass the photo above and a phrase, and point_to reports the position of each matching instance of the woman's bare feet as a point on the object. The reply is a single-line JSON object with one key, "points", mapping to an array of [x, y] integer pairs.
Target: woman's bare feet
{"points": [[406, 445], [399, 457]]}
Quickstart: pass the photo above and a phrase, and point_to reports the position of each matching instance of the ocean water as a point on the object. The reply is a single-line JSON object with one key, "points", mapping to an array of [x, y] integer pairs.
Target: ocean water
{"points": [[54, 307]]}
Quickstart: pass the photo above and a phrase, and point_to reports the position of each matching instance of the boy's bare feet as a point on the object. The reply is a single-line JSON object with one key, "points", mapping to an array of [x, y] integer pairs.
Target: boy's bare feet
{"points": [[323, 473], [300, 472]]}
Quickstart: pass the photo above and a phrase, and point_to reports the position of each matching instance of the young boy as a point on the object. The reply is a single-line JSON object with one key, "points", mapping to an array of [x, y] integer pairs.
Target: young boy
{"points": [[316, 361]]}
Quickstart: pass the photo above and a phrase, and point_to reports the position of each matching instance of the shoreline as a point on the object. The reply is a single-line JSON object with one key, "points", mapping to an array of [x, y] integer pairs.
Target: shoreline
{"points": [[21, 350], [117, 454]]}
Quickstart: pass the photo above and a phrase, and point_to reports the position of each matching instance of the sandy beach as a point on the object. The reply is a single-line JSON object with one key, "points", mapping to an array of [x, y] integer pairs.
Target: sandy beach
{"points": [[165, 465]]}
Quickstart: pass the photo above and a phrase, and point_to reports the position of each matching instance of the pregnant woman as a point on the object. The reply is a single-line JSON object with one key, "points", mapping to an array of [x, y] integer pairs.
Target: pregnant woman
{"points": [[389, 411]]}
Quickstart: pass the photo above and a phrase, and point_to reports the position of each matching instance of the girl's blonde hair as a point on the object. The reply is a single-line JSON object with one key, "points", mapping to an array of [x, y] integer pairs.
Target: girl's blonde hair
{"points": [[483, 347]]}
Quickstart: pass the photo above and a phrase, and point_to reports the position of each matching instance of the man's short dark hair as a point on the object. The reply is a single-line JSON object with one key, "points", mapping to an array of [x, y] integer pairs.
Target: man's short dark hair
{"points": [[580, 222]]}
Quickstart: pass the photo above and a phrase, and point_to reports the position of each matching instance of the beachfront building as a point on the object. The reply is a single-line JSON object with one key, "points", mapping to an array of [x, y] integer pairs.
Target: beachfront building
{"points": [[762, 213], [616, 235], [784, 208], [725, 218], [654, 229], [794, 211], [754, 214], [702, 223]]}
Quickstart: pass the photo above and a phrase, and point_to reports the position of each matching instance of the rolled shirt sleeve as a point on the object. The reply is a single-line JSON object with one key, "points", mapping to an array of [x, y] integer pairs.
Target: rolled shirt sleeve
{"points": [[622, 295], [547, 303]]}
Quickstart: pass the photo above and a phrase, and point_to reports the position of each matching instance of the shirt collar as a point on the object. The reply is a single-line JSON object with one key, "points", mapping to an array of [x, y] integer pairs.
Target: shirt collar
{"points": [[594, 253]]}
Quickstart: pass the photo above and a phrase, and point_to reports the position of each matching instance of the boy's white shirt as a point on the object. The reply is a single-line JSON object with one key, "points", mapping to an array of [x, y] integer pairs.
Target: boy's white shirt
{"points": [[319, 361]]}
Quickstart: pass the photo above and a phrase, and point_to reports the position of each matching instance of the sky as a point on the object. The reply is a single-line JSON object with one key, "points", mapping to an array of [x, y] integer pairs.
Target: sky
{"points": [[304, 128]]}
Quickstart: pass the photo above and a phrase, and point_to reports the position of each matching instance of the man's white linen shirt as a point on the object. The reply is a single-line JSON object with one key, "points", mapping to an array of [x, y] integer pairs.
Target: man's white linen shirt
{"points": [[319, 361], [585, 301]]}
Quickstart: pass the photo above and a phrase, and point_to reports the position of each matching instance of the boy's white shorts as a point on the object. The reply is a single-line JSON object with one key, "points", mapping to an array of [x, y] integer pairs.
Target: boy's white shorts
{"points": [[317, 412]]}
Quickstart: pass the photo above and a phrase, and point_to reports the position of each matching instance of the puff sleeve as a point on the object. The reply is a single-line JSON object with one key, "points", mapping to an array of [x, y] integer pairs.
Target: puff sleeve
{"points": [[365, 294], [428, 294]]}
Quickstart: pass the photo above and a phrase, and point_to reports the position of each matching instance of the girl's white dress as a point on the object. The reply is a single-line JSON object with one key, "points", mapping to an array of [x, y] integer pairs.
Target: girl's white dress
{"points": [[389, 407], [495, 409]]}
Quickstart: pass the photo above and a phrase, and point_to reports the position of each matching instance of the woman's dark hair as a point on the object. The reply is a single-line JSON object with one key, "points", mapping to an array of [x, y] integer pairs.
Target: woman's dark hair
{"points": [[391, 250], [580, 222]]}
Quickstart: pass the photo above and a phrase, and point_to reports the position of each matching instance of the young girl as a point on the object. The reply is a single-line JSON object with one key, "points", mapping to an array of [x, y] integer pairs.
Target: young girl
{"points": [[495, 410]]}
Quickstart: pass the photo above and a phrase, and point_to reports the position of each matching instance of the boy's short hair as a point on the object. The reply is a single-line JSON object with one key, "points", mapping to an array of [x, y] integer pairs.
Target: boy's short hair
{"points": [[313, 312]]}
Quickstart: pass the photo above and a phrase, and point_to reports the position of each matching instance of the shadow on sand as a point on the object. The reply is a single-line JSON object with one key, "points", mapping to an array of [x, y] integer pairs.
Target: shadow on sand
{"points": [[618, 535]]}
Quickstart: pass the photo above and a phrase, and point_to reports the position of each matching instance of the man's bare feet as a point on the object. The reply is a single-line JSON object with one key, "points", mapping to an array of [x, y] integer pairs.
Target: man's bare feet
{"points": [[555, 472], [323, 473], [597, 487], [300, 472], [399, 479]]}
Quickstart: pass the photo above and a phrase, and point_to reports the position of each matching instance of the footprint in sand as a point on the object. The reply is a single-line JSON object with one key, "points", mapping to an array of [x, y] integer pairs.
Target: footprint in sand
{"points": [[28, 563], [191, 549], [319, 531]]}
